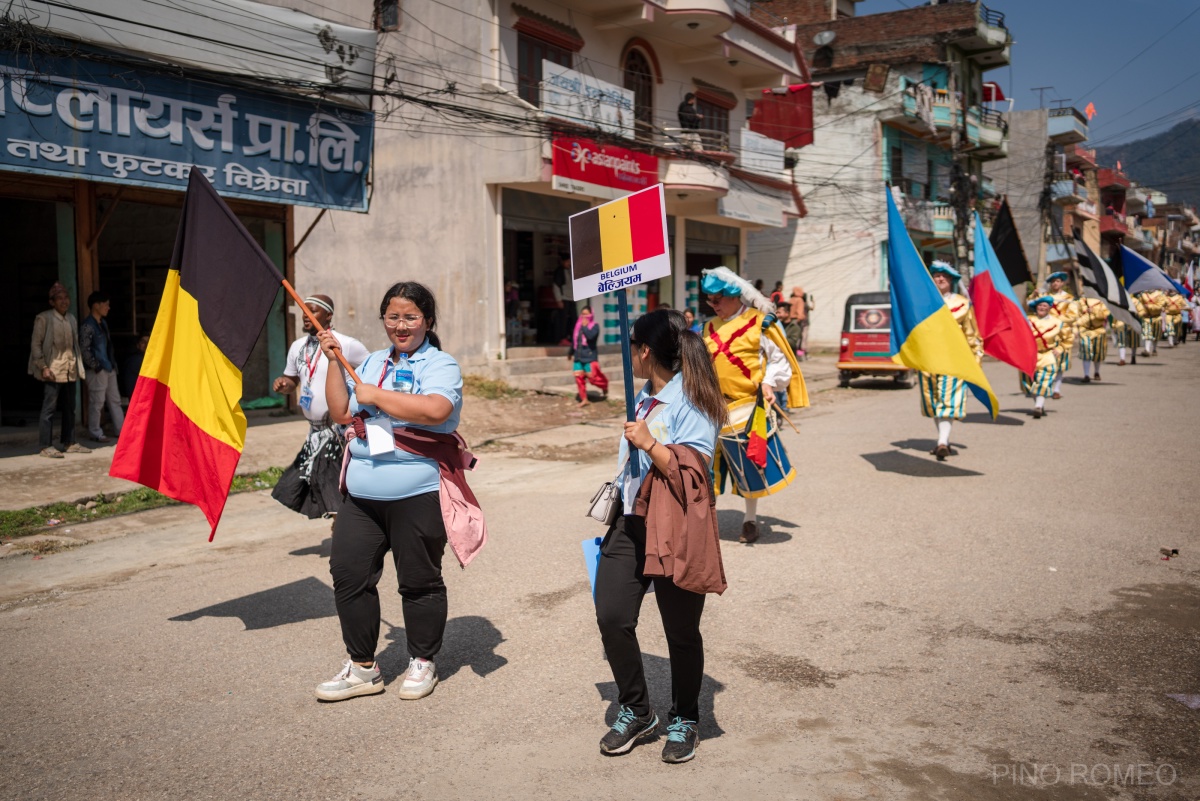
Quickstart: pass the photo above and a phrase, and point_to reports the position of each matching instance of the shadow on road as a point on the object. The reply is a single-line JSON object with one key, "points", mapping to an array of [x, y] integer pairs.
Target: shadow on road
{"points": [[1001, 419], [658, 678], [909, 465], [729, 524], [924, 445], [323, 550], [470, 641], [306, 599]]}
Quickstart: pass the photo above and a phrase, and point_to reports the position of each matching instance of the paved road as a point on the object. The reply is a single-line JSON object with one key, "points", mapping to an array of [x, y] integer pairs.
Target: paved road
{"points": [[997, 627]]}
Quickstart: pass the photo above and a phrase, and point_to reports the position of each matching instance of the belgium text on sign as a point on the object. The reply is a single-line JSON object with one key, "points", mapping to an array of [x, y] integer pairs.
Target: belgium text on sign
{"points": [[620, 244]]}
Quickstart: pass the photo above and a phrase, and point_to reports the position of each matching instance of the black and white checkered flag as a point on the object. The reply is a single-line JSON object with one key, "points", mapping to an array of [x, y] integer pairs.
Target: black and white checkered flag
{"points": [[1100, 282]]}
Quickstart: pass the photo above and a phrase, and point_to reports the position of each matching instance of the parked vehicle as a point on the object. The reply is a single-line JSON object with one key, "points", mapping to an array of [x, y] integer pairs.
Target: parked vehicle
{"points": [[866, 340]]}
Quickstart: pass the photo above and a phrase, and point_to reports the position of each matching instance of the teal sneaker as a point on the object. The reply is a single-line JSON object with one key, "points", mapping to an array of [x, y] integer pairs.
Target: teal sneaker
{"points": [[627, 729], [682, 741]]}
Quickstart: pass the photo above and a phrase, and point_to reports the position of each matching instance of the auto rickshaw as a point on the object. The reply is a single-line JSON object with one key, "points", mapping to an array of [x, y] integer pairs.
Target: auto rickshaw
{"points": [[866, 340]]}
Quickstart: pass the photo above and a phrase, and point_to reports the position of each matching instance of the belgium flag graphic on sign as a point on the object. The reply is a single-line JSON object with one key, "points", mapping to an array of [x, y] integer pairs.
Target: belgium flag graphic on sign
{"points": [[185, 428]]}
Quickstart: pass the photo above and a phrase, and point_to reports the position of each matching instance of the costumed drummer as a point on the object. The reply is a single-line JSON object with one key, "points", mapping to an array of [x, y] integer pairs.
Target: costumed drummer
{"points": [[1047, 335], [749, 353], [310, 485], [1064, 308], [943, 397], [1091, 327]]}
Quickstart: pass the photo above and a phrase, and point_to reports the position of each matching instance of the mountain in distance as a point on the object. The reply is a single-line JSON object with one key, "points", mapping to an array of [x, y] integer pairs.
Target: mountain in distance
{"points": [[1168, 162]]}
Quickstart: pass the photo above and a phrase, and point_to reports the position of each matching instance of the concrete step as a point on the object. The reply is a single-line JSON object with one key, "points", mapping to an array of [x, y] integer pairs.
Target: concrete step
{"points": [[531, 365]]}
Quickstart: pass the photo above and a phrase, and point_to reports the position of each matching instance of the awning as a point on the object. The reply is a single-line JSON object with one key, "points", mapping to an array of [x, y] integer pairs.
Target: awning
{"points": [[992, 93], [235, 37]]}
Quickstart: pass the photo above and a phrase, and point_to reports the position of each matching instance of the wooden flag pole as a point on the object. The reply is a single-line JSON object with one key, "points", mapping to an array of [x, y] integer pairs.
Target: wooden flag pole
{"points": [[784, 415], [627, 371], [312, 319]]}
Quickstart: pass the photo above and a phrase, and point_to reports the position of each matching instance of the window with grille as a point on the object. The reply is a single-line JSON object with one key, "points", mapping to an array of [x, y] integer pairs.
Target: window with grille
{"points": [[530, 53], [387, 15], [639, 79]]}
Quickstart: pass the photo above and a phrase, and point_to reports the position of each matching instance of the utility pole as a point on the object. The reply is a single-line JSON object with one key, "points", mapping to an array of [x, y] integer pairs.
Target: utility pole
{"points": [[1047, 212], [961, 183]]}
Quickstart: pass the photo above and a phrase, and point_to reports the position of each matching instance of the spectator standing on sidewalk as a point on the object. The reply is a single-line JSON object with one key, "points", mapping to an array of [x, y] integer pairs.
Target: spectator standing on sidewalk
{"points": [[100, 361], [802, 304], [310, 485], [55, 359]]}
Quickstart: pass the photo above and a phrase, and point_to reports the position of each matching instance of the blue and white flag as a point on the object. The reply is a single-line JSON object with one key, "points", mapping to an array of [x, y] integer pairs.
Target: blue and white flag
{"points": [[1101, 283], [1141, 274]]}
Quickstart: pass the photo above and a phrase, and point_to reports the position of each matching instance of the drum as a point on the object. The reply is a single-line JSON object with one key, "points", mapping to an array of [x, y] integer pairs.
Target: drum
{"points": [[750, 480]]}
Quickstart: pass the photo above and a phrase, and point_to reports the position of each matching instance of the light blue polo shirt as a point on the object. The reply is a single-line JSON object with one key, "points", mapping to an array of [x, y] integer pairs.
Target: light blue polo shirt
{"points": [[400, 474], [679, 423]]}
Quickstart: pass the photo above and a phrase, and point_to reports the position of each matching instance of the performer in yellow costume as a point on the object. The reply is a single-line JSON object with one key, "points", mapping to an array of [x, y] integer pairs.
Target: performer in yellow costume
{"points": [[1128, 337], [1063, 307], [749, 351], [1091, 328], [1047, 334], [1173, 317], [1153, 302], [944, 398]]}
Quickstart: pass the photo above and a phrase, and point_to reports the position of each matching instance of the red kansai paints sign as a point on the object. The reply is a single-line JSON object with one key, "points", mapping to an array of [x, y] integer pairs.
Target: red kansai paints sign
{"points": [[604, 171]]}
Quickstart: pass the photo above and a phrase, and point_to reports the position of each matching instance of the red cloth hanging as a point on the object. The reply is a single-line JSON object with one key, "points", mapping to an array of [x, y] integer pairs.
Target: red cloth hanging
{"points": [[785, 114]]}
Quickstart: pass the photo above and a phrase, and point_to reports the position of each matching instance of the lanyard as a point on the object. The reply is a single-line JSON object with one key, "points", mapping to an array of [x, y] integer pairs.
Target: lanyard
{"points": [[386, 368], [314, 364], [652, 402]]}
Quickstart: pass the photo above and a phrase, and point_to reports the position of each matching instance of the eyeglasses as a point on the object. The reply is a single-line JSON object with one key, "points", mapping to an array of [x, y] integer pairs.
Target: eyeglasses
{"points": [[409, 320]]}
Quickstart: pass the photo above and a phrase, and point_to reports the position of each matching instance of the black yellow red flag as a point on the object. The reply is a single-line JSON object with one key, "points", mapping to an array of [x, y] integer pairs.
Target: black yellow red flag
{"points": [[185, 429]]}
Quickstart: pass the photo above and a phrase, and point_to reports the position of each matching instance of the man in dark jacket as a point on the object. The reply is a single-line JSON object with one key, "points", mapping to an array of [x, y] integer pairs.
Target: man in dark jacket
{"points": [[101, 363]]}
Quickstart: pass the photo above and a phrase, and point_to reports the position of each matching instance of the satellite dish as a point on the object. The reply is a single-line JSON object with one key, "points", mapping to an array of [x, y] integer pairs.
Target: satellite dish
{"points": [[824, 37]]}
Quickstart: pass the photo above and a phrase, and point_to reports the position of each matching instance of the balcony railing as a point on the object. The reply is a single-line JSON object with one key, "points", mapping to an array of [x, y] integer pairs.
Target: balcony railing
{"points": [[1113, 224], [1081, 155], [1066, 191], [1085, 209], [993, 19], [1112, 178], [1067, 125], [698, 139]]}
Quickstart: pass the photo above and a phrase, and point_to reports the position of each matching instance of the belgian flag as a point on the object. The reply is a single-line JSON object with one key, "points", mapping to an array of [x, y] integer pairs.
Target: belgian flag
{"points": [[756, 432], [185, 430]]}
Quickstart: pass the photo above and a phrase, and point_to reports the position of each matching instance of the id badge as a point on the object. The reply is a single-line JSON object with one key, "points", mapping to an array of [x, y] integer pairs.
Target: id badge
{"points": [[379, 435], [306, 399]]}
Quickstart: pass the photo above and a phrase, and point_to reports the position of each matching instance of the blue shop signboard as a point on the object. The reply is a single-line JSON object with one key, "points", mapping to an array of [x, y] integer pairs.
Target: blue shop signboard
{"points": [[76, 118]]}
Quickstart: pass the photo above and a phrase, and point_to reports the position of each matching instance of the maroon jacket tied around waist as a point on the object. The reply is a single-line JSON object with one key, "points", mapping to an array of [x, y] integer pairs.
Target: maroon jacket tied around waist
{"points": [[682, 541]]}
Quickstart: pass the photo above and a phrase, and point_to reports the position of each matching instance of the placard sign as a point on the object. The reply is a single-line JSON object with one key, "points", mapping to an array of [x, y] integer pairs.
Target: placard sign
{"points": [[620, 244]]}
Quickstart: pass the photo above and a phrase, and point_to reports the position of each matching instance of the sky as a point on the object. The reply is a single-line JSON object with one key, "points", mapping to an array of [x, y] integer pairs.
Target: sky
{"points": [[1080, 48]]}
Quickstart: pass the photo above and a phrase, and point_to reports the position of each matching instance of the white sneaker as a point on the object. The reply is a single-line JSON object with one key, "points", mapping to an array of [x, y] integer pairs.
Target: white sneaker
{"points": [[419, 680], [354, 679]]}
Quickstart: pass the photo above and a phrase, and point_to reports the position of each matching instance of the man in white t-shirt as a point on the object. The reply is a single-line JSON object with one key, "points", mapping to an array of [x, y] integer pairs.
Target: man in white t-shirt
{"points": [[310, 485]]}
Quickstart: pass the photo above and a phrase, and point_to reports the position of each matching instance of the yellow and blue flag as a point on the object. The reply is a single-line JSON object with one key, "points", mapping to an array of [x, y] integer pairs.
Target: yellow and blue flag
{"points": [[925, 335]]}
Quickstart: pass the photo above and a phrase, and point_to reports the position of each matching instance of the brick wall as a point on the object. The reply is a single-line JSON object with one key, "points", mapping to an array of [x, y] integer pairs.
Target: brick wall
{"points": [[798, 11], [906, 36]]}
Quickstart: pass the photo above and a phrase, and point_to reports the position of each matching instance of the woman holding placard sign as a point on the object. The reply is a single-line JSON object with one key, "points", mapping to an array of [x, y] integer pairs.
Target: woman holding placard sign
{"points": [[667, 534]]}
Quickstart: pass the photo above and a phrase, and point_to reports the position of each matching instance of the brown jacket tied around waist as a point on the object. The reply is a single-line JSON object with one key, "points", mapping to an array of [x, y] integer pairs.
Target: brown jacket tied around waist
{"points": [[680, 510]]}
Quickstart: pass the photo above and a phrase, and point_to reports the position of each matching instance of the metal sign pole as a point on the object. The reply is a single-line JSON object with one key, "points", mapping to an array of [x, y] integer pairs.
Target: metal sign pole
{"points": [[627, 371]]}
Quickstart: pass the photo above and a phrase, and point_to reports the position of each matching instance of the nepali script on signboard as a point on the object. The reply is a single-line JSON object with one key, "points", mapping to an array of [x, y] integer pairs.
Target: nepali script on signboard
{"points": [[83, 119]]}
